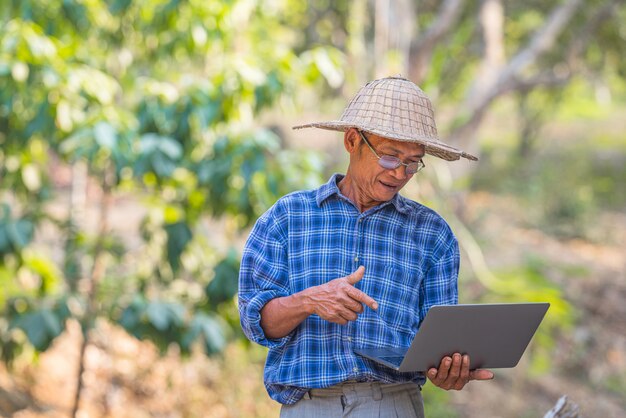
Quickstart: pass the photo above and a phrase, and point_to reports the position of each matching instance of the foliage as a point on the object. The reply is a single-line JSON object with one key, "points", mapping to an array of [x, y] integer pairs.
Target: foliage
{"points": [[436, 402], [41, 323], [564, 189], [529, 282], [157, 99]]}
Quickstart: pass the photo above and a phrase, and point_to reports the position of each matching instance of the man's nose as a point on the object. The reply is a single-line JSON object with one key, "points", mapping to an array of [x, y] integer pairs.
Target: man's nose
{"points": [[400, 172]]}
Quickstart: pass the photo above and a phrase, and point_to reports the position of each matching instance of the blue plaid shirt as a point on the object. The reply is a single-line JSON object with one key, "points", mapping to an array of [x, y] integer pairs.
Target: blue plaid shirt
{"points": [[308, 238]]}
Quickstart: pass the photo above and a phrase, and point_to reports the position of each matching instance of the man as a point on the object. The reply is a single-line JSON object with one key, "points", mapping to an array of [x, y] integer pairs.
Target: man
{"points": [[355, 265]]}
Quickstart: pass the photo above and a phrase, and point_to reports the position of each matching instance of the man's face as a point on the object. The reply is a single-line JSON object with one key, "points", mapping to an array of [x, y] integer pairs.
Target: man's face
{"points": [[376, 182]]}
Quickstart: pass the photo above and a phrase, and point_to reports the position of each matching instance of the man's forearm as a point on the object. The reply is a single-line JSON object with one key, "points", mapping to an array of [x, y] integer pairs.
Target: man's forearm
{"points": [[282, 315], [336, 301]]}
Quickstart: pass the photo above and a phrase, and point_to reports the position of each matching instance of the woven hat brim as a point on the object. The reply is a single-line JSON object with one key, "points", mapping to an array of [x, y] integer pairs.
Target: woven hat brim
{"points": [[432, 145]]}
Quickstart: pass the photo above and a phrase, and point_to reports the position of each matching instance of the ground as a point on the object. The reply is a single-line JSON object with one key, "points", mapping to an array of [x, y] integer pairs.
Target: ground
{"points": [[127, 378]]}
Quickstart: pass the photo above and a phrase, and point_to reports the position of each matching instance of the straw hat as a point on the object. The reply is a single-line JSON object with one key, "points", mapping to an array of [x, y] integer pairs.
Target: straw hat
{"points": [[394, 108]]}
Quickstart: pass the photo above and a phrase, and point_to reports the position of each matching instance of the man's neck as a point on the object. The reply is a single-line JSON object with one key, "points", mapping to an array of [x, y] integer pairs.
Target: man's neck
{"points": [[352, 191]]}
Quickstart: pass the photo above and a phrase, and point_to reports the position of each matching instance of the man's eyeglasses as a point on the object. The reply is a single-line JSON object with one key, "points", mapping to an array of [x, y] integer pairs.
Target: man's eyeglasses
{"points": [[389, 162]]}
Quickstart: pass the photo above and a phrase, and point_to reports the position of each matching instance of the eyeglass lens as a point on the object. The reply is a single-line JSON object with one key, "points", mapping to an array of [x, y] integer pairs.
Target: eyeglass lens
{"points": [[389, 162]]}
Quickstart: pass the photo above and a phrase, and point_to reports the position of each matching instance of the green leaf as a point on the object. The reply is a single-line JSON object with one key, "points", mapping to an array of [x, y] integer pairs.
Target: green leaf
{"points": [[214, 338], [152, 142], [211, 113], [119, 6], [52, 324], [224, 285], [79, 144], [45, 268], [210, 330], [41, 121], [20, 233], [165, 315], [178, 236], [131, 315], [158, 315], [5, 243], [162, 165], [105, 135], [41, 327]]}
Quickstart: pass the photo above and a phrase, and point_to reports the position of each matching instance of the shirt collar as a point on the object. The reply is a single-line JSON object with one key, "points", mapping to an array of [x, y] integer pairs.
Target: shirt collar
{"points": [[331, 189]]}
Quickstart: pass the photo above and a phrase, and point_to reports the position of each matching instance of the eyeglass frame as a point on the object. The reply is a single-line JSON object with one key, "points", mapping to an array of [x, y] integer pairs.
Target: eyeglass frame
{"points": [[420, 164]]}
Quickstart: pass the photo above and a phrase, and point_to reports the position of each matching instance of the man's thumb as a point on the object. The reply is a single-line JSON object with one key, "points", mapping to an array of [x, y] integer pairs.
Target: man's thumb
{"points": [[356, 276]]}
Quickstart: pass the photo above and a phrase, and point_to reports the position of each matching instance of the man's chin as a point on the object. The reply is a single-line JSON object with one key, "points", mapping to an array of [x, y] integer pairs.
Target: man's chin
{"points": [[386, 195]]}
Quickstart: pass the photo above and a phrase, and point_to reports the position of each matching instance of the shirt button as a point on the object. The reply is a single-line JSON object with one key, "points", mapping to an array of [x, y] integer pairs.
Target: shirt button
{"points": [[356, 258], [355, 370], [349, 339]]}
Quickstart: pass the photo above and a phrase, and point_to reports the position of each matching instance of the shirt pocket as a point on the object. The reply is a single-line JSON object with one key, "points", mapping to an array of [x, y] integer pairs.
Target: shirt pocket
{"points": [[399, 303], [395, 322]]}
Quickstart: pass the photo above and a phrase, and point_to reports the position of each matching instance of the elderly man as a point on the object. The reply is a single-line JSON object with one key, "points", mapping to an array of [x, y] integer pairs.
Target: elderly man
{"points": [[353, 264]]}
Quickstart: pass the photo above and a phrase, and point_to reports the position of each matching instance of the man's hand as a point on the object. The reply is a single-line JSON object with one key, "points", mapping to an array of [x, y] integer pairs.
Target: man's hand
{"points": [[339, 301], [454, 373]]}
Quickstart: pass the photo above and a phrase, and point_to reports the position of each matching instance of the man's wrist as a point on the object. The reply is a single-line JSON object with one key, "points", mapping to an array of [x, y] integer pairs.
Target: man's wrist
{"points": [[305, 300]]}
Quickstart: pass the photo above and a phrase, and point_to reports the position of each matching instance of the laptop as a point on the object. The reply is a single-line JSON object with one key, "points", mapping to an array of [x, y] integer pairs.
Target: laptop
{"points": [[493, 335]]}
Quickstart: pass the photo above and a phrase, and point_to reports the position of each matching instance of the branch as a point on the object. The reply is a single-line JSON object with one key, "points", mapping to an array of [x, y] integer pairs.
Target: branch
{"points": [[421, 51], [581, 41], [542, 41], [545, 79]]}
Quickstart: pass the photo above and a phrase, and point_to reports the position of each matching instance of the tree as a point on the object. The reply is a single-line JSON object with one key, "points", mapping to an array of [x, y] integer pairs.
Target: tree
{"points": [[153, 99], [519, 57], [469, 55]]}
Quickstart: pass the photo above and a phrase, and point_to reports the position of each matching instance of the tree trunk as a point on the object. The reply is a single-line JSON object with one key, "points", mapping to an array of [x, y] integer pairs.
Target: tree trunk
{"points": [[402, 21], [357, 45], [381, 37], [97, 273], [491, 18]]}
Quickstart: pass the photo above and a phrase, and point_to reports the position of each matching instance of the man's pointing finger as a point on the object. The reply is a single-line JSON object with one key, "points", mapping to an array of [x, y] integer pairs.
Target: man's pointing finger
{"points": [[356, 276], [357, 295]]}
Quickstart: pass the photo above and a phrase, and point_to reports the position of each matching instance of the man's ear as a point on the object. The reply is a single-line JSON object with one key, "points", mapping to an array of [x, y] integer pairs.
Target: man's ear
{"points": [[351, 139]]}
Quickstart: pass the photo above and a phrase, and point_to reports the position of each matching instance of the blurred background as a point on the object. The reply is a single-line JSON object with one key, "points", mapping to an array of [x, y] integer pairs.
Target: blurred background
{"points": [[141, 139]]}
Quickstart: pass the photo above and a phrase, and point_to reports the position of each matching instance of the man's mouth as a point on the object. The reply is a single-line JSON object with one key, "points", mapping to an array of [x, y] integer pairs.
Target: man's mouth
{"points": [[389, 185]]}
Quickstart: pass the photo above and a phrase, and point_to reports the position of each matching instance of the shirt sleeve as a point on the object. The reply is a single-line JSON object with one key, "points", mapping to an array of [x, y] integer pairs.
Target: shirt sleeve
{"points": [[440, 286], [263, 275]]}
